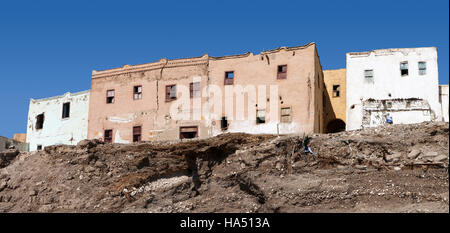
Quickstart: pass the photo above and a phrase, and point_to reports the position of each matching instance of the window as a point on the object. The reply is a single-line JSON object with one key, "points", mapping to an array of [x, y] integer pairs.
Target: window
{"points": [[110, 96], [389, 104], [171, 92], [422, 68], [404, 68], [66, 110], [229, 78], [224, 123], [137, 92], [194, 89], [336, 90], [188, 132], [136, 133], [368, 76], [286, 115], [40, 121], [282, 72], [108, 135], [39, 147], [261, 116]]}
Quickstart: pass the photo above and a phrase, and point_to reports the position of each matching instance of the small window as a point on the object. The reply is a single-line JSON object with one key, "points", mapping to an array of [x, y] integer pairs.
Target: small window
{"points": [[108, 136], [389, 104], [261, 116], [137, 92], [188, 132], [404, 68], [39, 147], [40, 121], [136, 133], [194, 89], [66, 110], [286, 115], [336, 90], [110, 96], [422, 68], [368, 76], [229, 78], [171, 92], [282, 72], [224, 123]]}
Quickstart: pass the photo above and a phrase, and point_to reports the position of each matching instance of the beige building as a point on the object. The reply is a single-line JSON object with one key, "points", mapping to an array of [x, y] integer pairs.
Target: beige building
{"points": [[20, 137], [276, 91], [334, 108]]}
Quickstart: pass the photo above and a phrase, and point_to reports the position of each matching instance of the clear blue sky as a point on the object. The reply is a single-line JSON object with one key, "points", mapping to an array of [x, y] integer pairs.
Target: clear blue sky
{"points": [[48, 48]]}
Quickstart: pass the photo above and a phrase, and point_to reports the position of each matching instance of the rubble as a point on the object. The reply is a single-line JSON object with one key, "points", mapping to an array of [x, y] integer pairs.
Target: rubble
{"points": [[403, 167]]}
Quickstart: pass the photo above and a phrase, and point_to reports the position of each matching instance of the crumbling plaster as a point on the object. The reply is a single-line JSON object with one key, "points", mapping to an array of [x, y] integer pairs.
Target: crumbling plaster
{"points": [[389, 84], [58, 130]]}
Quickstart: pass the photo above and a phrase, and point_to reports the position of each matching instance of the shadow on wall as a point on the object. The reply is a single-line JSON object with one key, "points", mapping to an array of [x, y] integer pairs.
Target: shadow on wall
{"points": [[332, 124], [336, 125]]}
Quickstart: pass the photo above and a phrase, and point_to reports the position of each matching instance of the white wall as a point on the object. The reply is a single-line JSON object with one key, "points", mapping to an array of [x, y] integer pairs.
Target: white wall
{"points": [[57, 130], [443, 99], [388, 82]]}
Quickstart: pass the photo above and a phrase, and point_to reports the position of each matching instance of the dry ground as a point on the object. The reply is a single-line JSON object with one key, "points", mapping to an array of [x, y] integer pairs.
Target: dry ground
{"points": [[400, 168]]}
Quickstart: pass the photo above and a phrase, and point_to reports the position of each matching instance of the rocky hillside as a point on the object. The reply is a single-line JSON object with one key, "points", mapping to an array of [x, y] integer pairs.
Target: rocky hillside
{"points": [[400, 168]]}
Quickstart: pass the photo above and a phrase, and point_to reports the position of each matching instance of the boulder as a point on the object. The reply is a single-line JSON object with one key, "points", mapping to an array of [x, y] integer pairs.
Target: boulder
{"points": [[413, 154], [440, 158], [394, 157], [3, 185]]}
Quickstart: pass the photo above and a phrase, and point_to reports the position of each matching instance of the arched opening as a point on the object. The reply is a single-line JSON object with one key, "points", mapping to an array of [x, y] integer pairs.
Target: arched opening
{"points": [[336, 125]]}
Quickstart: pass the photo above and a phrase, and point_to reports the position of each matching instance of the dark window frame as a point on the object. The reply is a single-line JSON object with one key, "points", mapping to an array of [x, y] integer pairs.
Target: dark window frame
{"points": [[286, 115], [168, 91], [40, 121], [66, 110], [282, 71], [404, 72], [137, 95], [192, 91], [420, 69], [259, 120], [229, 81], [108, 139], [336, 90], [137, 133], [110, 99], [224, 123], [187, 127]]}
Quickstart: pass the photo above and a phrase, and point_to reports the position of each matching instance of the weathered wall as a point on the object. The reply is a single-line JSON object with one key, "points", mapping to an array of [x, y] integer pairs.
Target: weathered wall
{"points": [[21, 137], [402, 111], [5, 143], [335, 107], [152, 112], [388, 83], [301, 91], [298, 91], [57, 130], [443, 100]]}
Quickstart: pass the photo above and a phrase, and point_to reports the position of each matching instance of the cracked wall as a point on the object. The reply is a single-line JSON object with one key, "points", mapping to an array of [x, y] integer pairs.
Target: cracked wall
{"points": [[300, 91], [388, 83], [56, 129]]}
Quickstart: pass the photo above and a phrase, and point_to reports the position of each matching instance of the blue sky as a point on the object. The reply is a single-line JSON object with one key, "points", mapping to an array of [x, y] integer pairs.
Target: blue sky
{"points": [[48, 48]]}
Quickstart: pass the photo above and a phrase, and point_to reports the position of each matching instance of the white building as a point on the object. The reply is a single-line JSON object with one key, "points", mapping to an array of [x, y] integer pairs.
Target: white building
{"points": [[392, 84], [443, 99], [58, 120]]}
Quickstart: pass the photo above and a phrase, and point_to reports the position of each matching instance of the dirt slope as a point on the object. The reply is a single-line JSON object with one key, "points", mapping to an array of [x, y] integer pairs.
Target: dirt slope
{"points": [[401, 168]]}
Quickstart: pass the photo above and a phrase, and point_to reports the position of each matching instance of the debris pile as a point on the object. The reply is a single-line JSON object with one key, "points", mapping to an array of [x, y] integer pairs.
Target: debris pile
{"points": [[394, 168]]}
